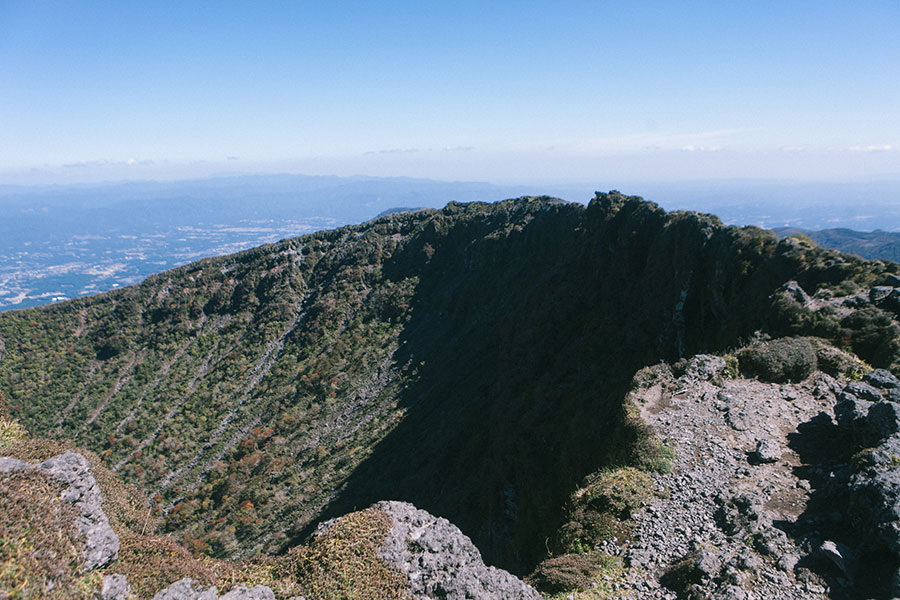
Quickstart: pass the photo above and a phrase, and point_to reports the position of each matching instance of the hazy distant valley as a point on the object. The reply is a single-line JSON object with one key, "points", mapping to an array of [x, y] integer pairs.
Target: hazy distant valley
{"points": [[58, 243], [55, 268], [62, 242]]}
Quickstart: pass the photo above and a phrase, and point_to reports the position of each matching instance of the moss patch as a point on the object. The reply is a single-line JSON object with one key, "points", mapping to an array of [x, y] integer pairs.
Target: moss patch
{"points": [[343, 563]]}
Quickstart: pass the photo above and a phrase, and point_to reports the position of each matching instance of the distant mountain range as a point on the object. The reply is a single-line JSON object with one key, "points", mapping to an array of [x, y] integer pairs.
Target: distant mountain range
{"points": [[884, 245]]}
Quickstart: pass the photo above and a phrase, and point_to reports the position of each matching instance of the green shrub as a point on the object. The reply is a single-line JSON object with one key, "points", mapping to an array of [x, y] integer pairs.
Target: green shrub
{"points": [[839, 363], [873, 336], [732, 367], [781, 360], [619, 491], [571, 572], [602, 509], [10, 432], [650, 454]]}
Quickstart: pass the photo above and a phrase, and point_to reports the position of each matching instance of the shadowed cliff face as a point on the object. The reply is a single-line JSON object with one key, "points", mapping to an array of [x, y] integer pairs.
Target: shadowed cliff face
{"points": [[524, 343], [472, 361]]}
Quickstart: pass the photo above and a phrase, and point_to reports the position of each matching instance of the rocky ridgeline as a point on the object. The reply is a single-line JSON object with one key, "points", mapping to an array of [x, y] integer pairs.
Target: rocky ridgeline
{"points": [[434, 556], [778, 490]]}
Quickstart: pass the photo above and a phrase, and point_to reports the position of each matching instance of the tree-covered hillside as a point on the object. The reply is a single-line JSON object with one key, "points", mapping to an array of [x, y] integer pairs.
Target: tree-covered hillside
{"points": [[471, 360]]}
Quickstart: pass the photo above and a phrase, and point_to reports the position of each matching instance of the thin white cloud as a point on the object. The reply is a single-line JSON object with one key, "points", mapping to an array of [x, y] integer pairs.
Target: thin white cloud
{"points": [[873, 148], [649, 141], [394, 151], [693, 148], [104, 162]]}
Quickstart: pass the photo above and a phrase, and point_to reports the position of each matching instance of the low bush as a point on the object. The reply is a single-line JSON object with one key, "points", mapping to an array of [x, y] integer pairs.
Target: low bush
{"points": [[570, 572], [781, 360], [602, 508]]}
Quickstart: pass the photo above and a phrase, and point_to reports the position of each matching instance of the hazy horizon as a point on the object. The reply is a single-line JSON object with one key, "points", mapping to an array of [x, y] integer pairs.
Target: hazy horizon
{"points": [[509, 92]]}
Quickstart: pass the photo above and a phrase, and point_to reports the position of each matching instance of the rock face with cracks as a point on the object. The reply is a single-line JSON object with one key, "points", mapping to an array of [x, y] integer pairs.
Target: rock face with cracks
{"points": [[442, 563], [777, 490], [73, 470]]}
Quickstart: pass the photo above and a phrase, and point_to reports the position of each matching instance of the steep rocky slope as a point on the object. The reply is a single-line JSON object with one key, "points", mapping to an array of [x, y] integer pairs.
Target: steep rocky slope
{"points": [[780, 482], [471, 360]]}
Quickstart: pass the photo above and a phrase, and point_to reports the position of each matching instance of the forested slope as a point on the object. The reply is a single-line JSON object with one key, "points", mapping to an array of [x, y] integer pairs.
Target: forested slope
{"points": [[471, 360]]}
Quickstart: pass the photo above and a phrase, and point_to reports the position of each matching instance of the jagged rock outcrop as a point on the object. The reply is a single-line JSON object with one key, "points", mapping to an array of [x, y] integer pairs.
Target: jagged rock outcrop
{"points": [[188, 589], [870, 415], [440, 562], [73, 471], [777, 490], [713, 529]]}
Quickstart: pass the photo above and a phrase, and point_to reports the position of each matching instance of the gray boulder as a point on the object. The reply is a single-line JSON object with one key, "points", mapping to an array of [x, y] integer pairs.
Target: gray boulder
{"points": [[837, 554], [767, 451], [8, 465], [704, 367], [82, 491], [882, 379], [851, 412], [442, 563], [114, 587], [863, 391], [259, 592], [186, 589], [880, 293], [793, 289], [883, 420], [892, 302], [856, 301]]}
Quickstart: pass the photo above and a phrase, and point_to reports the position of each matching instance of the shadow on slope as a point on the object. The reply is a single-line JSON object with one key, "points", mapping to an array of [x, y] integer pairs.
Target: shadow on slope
{"points": [[521, 343]]}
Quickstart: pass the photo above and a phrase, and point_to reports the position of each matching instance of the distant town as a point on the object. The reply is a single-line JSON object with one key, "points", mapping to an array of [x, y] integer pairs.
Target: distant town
{"points": [[52, 270]]}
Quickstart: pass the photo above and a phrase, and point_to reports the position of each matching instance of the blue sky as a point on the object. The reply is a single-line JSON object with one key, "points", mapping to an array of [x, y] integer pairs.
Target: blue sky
{"points": [[499, 91]]}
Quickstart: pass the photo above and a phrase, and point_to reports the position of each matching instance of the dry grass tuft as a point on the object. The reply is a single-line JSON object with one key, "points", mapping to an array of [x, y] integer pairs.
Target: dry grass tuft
{"points": [[343, 563], [125, 505], [40, 545]]}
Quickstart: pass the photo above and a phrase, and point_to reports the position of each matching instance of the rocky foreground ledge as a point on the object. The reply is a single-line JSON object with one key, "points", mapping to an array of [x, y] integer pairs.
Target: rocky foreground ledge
{"points": [[784, 484], [424, 557], [778, 490], [80, 490]]}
